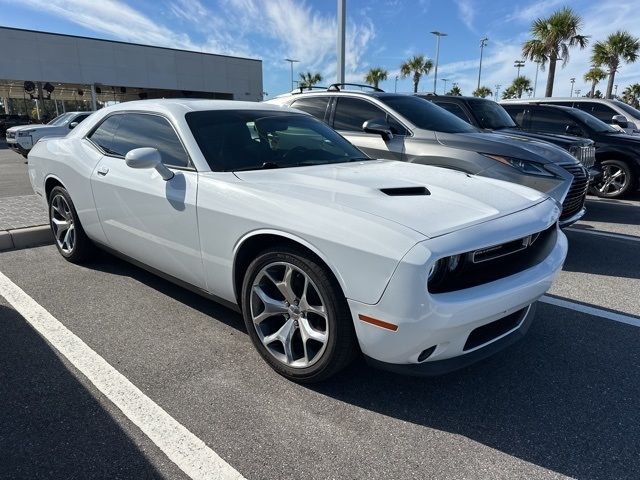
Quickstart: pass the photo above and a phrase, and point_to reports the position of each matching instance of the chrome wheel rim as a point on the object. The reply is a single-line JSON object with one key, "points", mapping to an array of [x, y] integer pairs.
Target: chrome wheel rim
{"points": [[62, 224], [614, 180], [289, 315]]}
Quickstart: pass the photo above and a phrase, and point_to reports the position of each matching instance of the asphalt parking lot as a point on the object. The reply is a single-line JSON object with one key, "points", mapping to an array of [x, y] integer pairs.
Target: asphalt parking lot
{"points": [[560, 403]]}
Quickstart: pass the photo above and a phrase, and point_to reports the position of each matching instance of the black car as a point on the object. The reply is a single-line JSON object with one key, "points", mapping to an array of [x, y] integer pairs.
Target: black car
{"points": [[489, 115], [8, 121], [617, 153]]}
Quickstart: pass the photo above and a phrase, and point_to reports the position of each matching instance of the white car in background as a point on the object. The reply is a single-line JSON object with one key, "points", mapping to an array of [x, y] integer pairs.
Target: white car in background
{"points": [[22, 138], [325, 251]]}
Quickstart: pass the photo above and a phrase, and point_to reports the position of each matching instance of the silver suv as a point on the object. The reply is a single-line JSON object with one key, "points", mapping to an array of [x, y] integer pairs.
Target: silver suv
{"points": [[409, 128]]}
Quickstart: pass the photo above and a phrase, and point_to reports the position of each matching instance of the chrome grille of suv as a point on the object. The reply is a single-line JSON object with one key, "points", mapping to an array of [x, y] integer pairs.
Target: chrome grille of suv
{"points": [[574, 201], [585, 155]]}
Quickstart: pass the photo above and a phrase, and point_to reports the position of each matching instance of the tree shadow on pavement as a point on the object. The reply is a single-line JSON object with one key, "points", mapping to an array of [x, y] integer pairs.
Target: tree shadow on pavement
{"points": [[564, 398], [51, 426]]}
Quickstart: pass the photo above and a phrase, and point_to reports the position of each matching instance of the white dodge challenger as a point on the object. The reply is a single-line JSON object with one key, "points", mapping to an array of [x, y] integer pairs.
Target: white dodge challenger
{"points": [[326, 252]]}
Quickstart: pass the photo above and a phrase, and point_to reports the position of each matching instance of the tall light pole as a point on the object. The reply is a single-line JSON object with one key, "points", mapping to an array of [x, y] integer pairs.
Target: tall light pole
{"points": [[572, 80], [615, 92], [291, 61], [435, 75], [483, 43], [518, 64], [497, 90], [578, 91], [342, 22], [445, 80], [395, 87], [535, 82]]}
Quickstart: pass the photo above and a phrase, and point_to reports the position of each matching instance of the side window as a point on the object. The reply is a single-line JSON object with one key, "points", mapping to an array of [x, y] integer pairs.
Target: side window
{"points": [[598, 110], [80, 118], [351, 113], [456, 109], [516, 113], [138, 130], [550, 121], [316, 106], [103, 135]]}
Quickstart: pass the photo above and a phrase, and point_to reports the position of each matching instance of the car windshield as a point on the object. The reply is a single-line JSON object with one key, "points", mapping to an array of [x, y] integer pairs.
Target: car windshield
{"points": [[424, 114], [490, 115], [233, 140], [592, 122], [628, 109], [60, 119]]}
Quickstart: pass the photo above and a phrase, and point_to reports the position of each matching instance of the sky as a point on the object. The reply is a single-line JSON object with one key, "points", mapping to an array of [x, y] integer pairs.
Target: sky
{"points": [[380, 33]]}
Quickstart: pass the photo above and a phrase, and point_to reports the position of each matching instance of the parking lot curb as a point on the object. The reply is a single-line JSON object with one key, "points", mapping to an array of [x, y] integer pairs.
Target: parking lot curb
{"points": [[25, 237]]}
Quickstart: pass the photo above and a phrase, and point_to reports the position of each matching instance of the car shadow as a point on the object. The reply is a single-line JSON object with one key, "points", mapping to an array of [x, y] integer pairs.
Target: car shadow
{"points": [[611, 211], [601, 256], [564, 398], [51, 426]]}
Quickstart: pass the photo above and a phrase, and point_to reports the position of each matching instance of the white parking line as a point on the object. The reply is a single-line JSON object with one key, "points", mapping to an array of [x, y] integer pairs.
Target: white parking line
{"points": [[182, 447], [619, 236], [598, 312]]}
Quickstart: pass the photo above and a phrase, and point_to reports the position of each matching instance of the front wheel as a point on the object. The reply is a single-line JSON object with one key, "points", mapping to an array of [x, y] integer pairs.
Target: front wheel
{"points": [[297, 316], [617, 180], [71, 241]]}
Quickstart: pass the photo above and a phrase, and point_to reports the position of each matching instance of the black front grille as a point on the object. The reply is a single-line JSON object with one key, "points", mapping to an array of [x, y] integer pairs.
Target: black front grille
{"points": [[574, 201], [493, 330], [11, 135]]}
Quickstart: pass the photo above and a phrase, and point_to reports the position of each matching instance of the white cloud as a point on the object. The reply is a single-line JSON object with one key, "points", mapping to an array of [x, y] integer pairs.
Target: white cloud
{"points": [[529, 13], [466, 12]]}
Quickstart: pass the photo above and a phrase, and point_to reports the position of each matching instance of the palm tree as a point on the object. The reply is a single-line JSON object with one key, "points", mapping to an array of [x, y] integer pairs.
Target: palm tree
{"points": [[308, 80], [551, 40], [482, 92], [631, 95], [375, 76], [520, 84], [509, 92], [619, 46], [595, 75], [455, 91], [418, 66]]}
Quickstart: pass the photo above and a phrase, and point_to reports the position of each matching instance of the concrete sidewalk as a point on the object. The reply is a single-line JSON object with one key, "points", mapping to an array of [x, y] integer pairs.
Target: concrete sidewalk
{"points": [[23, 218]]}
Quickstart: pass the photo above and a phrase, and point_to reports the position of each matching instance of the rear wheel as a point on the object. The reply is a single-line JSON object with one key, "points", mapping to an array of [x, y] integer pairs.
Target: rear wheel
{"points": [[71, 241], [297, 316], [617, 180]]}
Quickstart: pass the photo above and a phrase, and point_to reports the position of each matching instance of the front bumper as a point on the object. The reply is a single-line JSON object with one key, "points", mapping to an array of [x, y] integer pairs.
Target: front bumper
{"points": [[445, 321], [22, 145]]}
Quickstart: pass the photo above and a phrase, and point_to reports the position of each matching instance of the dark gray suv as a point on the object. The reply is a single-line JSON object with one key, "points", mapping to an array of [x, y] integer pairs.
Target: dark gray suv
{"points": [[409, 128]]}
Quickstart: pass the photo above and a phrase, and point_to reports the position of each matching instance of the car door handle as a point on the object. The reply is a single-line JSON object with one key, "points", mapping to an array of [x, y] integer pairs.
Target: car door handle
{"points": [[103, 171]]}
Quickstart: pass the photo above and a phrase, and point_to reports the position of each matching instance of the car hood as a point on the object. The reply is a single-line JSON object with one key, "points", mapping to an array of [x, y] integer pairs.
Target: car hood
{"points": [[561, 140], [28, 127], [508, 145], [623, 139], [450, 200]]}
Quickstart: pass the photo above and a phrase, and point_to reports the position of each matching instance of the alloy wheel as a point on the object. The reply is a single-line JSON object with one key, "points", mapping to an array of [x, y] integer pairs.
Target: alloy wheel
{"points": [[614, 180], [62, 224], [289, 314]]}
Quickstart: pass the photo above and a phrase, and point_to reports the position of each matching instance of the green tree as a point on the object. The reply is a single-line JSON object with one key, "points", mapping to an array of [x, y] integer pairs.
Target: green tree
{"points": [[509, 92], [631, 95], [618, 47], [308, 80], [482, 92], [455, 91], [517, 88], [376, 75], [416, 66], [594, 75], [552, 38]]}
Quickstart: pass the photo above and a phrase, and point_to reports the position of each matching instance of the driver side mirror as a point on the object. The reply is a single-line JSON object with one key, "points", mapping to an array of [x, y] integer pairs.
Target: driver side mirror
{"points": [[620, 120], [380, 127], [73, 125], [148, 158], [574, 130]]}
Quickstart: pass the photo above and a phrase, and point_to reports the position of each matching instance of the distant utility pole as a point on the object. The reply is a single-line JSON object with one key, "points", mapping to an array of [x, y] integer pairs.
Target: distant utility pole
{"points": [[535, 82], [483, 43], [291, 61], [572, 80], [435, 76], [518, 64], [445, 80], [615, 92], [395, 87], [342, 18], [497, 90], [578, 91]]}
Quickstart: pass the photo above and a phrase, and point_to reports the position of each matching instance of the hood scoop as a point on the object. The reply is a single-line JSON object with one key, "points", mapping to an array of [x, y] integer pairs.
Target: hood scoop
{"points": [[405, 191]]}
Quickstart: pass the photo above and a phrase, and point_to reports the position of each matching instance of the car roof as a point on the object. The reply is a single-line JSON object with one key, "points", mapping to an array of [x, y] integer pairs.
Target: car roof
{"points": [[536, 104], [185, 105]]}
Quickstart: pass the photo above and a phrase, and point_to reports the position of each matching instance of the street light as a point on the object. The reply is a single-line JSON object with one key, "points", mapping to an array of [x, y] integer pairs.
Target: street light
{"points": [[518, 64], [483, 43], [445, 80], [572, 80], [615, 92], [497, 90], [395, 87], [291, 62], [535, 82], [578, 91], [435, 75]]}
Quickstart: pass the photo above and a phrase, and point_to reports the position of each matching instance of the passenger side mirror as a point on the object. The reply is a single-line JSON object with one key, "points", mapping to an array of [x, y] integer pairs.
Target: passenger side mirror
{"points": [[73, 125], [148, 158], [380, 127], [620, 120], [573, 130]]}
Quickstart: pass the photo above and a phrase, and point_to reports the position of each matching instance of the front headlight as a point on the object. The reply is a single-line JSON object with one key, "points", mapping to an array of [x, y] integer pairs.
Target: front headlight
{"points": [[25, 133], [524, 166]]}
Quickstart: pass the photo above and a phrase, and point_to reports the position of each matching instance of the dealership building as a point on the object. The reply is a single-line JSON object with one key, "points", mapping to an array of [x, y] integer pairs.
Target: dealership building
{"points": [[48, 70]]}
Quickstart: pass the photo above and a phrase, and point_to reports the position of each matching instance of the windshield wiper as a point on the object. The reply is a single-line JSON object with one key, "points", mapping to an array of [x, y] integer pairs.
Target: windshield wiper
{"points": [[264, 166]]}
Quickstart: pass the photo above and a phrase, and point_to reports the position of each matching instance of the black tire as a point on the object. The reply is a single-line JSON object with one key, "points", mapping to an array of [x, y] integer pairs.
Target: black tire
{"points": [[340, 347], [606, 188], [83, 248]]}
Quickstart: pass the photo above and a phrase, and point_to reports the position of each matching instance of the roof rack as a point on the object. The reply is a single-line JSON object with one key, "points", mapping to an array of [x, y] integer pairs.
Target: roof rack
{"points": [[298, 90], [335, 87]]}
